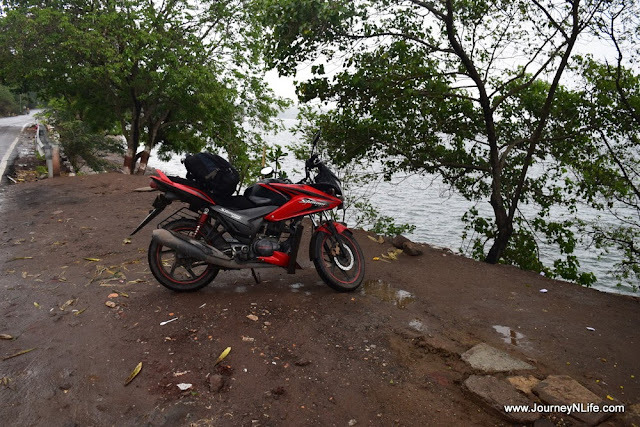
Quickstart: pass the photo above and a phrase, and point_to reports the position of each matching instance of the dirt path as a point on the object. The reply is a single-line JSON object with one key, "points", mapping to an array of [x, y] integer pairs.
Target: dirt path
{"points": [[386, 355]]}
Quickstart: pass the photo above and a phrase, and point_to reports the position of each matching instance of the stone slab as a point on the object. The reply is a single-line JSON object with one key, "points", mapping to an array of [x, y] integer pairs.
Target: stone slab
{"points": [[494, 394], [524, 383], [488, 359], [564, 390]]}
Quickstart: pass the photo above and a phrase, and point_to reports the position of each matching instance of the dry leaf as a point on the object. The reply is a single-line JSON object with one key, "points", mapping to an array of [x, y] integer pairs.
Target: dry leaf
{"points": [[68, 303], [252, 317], [5, 337], [79, 312], [135, 372], [113, 295], [224, 354], [24, 274], [20, 257], [110, 304], [20, 353], [126, 241], [36, 305], [93, 259]]}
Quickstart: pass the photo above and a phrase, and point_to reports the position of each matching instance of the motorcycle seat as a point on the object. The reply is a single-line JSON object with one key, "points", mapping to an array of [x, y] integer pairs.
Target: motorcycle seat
{"points": [[231, 202]]}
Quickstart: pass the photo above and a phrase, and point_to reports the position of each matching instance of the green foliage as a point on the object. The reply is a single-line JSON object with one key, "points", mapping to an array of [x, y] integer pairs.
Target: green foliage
{"points": [[433, 87], [180, 74], [80, 144], [8, 104]]}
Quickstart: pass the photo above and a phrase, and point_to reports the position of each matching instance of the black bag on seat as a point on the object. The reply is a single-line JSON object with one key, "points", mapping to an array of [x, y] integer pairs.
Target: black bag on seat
{"points": [[213, 172]]}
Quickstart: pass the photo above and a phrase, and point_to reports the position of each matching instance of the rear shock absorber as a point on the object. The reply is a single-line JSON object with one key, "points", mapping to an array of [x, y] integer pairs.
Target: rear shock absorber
{"points": [[204, 217]]}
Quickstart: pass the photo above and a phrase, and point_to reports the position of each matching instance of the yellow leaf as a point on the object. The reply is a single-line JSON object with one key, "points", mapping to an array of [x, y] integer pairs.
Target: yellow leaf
{"points": [[375, 258], [93, 259], [20, 257], [79, 312], [126, 241], [224, 354], [36, 305], [135, 372], [609, 397]]}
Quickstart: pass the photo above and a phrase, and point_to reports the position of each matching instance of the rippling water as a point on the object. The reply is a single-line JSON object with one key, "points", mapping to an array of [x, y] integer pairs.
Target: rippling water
{"points": [[424, 201]]}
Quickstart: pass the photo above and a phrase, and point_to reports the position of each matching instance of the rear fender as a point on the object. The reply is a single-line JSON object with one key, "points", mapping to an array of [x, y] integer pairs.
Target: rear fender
{"points": [[325, 228]]}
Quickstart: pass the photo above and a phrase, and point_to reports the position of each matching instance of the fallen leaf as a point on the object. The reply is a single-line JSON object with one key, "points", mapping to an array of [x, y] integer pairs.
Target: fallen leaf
{"points": [[126, 241], [20, 257], [122, 294], [378, 240], [135, 373], [252, 317], [184, 386], [375, 258], [110, 304], [224, 354], [68, 303], [79, 312], [93, 259], [36, 305], [20, 353], [610, 398], [136, 281], [24, 274], [113, 295], [5, 337]]}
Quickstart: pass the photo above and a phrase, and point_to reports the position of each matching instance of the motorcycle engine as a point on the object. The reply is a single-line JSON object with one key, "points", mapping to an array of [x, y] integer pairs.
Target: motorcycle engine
{"points": [[265, 247]]}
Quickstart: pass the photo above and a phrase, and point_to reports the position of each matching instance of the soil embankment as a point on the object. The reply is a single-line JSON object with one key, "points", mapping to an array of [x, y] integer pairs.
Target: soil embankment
{"points": [[389, 354]]}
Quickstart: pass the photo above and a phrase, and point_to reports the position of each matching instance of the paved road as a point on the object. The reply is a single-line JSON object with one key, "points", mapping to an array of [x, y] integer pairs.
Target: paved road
{"points": [[10, 128]]}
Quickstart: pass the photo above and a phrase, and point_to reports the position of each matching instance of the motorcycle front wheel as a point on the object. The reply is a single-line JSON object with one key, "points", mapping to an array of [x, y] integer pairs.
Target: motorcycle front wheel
{"points": [[339, 261], [176, 271]]}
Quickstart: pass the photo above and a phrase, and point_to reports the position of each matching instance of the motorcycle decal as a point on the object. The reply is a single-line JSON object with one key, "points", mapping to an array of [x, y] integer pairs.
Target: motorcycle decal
{"points": [[314, 202]]}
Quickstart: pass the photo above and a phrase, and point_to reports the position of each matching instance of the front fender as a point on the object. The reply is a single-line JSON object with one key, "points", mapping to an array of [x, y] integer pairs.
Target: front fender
{"points": [[324, 228]]}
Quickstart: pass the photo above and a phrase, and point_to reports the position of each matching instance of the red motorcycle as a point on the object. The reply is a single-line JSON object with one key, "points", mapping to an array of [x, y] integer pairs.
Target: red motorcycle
{"points": [[261, 228]]}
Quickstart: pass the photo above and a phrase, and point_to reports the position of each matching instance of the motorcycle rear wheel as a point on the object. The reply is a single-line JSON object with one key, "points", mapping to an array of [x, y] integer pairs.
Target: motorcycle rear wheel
{"points": [[176, 271], [341, 270]]}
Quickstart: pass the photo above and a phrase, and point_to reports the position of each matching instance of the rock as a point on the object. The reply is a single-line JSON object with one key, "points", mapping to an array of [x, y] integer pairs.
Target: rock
{"points": [[216, 383], [399, 241], [494, 394], [564, 390], [412, 249], [487, 359]]}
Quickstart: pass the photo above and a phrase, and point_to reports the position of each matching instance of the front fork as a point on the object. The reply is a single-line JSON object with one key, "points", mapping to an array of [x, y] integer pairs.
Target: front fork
{"points": [[328, 226]]}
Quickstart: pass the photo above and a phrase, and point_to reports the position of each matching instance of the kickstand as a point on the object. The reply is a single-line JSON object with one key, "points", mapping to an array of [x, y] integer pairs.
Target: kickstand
{"points": [[255, 276]]}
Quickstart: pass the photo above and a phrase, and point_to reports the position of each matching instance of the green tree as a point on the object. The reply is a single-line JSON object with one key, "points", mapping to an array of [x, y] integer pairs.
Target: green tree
{"points": [[471, 90], [8, 104], [180, 74]]}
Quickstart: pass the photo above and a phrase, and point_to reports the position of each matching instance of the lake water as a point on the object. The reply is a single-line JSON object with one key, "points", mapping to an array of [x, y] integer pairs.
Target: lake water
{"points": [[424, 201]]}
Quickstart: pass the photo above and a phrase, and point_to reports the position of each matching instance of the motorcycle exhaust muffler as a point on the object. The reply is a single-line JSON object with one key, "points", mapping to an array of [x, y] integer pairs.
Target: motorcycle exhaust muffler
{"points": [[200, 251]]}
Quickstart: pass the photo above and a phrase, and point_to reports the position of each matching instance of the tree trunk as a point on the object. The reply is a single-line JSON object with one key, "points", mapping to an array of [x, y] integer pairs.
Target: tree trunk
{"points": [[505, 230], [129, 160], [144, 159]]}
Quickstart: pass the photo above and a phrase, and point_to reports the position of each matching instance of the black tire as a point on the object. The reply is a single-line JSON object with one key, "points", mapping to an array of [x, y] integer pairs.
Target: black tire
{"points": [[175, 271], [341, 270]]}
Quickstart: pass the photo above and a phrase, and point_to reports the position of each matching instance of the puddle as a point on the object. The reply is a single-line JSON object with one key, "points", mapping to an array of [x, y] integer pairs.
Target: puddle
{"points": [[386, 292], [509, 335]]}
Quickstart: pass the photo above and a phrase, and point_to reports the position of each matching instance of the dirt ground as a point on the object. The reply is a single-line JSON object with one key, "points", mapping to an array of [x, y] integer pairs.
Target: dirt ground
{"points": [[388, 354]]}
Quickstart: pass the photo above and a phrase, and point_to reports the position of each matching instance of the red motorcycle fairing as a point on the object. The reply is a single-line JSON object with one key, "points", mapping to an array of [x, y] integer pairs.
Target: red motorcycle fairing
{"points": [[163, 180], [304, 200]]}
